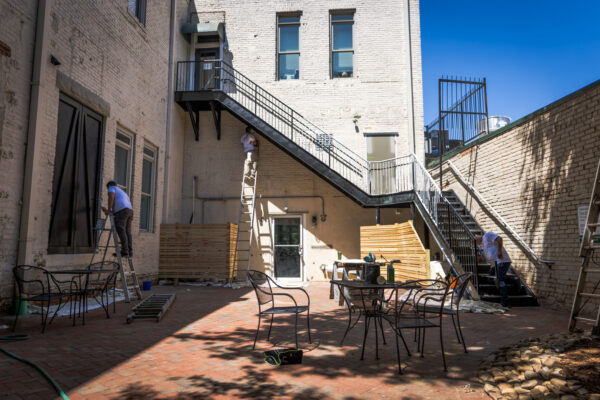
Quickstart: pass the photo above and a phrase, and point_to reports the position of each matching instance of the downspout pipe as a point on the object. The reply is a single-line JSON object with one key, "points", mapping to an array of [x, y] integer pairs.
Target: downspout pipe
{"points": [[40, 61], [170, 94], [224, 198], [411, 105]]}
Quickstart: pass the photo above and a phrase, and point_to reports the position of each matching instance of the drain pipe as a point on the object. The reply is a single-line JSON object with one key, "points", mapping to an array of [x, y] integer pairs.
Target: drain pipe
{"points": [[34, 124], [170, 94], [411, 105], [225, 198]]}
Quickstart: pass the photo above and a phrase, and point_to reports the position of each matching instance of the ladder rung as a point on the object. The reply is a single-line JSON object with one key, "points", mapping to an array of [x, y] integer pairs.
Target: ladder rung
{"points": [[590, 295], [242, 259], [592, 271], [595, 225], [584, 319]]}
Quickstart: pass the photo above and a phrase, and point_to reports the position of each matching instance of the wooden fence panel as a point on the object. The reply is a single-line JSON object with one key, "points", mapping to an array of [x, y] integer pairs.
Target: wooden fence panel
{"points": [[197, 251], [398, 241]]}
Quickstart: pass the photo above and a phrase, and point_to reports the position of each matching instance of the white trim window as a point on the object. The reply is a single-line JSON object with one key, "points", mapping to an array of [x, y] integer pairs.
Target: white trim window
{"points": [[342, 43], [288, 46], [124, 146], [148, 189]]}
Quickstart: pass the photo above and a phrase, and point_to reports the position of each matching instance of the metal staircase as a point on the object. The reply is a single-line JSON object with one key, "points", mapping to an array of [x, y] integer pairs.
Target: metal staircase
{"points": [[387, 183], [519, 293], [243, 242]]}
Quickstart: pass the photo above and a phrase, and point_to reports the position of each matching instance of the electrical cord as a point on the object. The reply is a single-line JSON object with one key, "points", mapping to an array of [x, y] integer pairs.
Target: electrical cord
{"points": [[40, 369]]}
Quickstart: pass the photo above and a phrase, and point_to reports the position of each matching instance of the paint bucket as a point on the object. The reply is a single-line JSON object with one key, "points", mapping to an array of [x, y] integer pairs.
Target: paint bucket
{"points": [[20, 307], [372, 271], [147, 285]]}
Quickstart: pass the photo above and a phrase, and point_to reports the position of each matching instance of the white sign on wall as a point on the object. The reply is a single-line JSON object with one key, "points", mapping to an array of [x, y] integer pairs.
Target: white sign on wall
{"points": [[582, 212]]}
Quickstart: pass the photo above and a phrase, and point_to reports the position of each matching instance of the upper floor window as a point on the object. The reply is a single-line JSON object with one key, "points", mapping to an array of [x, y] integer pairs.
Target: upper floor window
{"points": [[148, 189], [123, 158], [342, 51], [138, 8], [288, 46]]}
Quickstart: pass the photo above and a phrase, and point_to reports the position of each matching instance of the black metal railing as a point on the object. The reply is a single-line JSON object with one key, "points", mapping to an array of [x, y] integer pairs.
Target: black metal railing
{"points": [[219, 75]]}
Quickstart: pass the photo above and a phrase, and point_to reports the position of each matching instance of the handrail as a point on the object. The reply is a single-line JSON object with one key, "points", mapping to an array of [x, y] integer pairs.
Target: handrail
{"points": [[505, 224]]}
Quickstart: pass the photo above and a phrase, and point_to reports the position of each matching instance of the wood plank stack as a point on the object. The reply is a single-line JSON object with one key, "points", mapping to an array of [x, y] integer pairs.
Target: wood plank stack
{"points": [[398, 241], [201, 251]]}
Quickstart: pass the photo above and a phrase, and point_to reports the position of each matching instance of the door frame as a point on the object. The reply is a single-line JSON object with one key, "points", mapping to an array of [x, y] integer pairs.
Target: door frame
{"points": [[300, 218]]}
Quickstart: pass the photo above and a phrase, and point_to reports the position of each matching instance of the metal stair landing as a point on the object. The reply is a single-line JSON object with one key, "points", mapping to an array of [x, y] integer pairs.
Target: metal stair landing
{"points": [[519, 294]]}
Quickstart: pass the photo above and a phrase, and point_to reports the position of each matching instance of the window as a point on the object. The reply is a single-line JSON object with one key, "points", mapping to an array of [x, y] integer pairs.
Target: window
{"points": [[342, 53], [288, 46], [123, 157], [76, 181], [147, 198], [138, 8]]}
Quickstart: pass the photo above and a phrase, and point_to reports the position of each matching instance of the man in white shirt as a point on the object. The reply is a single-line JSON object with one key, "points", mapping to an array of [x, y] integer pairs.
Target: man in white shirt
{"points": [[495, 253], [119, 205], [251, 149]]}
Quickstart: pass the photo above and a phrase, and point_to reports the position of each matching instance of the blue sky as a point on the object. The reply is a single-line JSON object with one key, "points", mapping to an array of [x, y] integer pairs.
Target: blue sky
{"points": [[532, 52]]}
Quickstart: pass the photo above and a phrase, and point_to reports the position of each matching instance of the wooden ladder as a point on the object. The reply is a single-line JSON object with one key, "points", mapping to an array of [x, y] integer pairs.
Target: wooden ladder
{"points": [[243, 241], [125, 273], [584, 292]]}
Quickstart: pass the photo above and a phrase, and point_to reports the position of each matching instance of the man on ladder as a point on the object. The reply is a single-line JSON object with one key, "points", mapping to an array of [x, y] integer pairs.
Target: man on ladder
{"points": [[119, 205]]}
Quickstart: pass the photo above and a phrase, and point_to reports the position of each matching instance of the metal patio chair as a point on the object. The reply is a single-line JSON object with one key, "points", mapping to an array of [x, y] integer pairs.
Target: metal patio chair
{"points": [[263, 287], [36, 284], [100, 281], [419, 316]]}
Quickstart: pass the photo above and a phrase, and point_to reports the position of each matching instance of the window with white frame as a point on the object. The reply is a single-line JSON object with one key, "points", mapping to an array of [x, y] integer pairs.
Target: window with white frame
{"points": [[288, 46], [138, 8], [148, 189], [342, 50], [123, 158]]}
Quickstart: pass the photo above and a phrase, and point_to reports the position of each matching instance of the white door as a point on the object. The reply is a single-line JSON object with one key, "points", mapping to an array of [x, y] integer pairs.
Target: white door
{"points": [[287, 248]]}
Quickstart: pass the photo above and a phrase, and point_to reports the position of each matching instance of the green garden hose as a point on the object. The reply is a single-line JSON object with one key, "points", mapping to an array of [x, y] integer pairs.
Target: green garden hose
{"points": [[48, 377]]}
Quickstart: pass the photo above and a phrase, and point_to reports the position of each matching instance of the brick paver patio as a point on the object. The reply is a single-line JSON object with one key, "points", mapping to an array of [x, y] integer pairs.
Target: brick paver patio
{"points": [[203, 349]]}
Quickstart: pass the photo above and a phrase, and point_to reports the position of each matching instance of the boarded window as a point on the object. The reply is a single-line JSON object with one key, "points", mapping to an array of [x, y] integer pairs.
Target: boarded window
{"points": [[75, 186]]}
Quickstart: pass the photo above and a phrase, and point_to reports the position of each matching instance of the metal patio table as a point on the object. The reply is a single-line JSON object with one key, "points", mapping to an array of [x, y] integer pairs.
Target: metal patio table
{"points": [[373, 298]]}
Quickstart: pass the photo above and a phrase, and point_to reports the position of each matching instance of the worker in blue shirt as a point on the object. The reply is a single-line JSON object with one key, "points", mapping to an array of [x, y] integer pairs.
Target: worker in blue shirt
{"points": [[119, 205]]}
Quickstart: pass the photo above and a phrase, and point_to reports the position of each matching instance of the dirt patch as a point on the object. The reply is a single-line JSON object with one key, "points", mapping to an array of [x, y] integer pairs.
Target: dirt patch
{"points": [[582, 362]]}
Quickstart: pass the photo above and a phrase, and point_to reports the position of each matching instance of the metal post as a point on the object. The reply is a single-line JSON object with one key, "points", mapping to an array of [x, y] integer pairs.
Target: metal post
{"points": [[487, 118], [377, 215], [440, 127]]}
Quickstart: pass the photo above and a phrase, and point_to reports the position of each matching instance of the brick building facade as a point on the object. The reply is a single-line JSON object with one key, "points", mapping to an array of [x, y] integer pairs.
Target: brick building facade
{"points": [[114, 64]]}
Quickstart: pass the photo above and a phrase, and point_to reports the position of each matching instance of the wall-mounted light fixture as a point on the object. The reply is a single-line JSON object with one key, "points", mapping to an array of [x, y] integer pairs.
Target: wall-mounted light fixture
{"points": [[54, 61]]}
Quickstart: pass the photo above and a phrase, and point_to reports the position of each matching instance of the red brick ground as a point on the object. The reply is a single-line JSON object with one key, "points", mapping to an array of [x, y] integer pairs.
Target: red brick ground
{"points": [[202, 349]]}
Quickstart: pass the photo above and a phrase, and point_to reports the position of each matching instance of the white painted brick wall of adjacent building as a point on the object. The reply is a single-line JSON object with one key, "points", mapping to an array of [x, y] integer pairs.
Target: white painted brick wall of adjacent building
{"points": [[536, 174]]}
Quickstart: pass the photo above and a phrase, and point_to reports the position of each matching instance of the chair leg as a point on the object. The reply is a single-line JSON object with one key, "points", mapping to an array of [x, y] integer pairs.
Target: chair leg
{"points": [[398, 352], [455, 329], [295, 329], [257, 329], [382, 333], [16, 316], [422, 341], [442, 345], [45, 319], [348, 328], [367, 321], [55, 312], [376, 340], [270, 326], [404, 341], [308, 325], [461, 334]]}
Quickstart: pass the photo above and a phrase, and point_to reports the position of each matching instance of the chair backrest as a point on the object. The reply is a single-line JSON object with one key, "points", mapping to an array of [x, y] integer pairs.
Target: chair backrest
{"points": [[461, 287], [106, 273], [261, 283], [431, 297], [31, 280]]}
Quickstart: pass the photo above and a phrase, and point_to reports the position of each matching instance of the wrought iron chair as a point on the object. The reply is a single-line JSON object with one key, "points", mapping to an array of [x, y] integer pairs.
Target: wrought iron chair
{"points": [[263, 287], [100, 281], [458, 286], [432, 291], [36, 284]]}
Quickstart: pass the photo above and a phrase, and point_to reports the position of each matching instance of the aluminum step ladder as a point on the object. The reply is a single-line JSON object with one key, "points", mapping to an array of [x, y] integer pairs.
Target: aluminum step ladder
{"points": [[102, 249], [586, 289], [243, 241]]}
